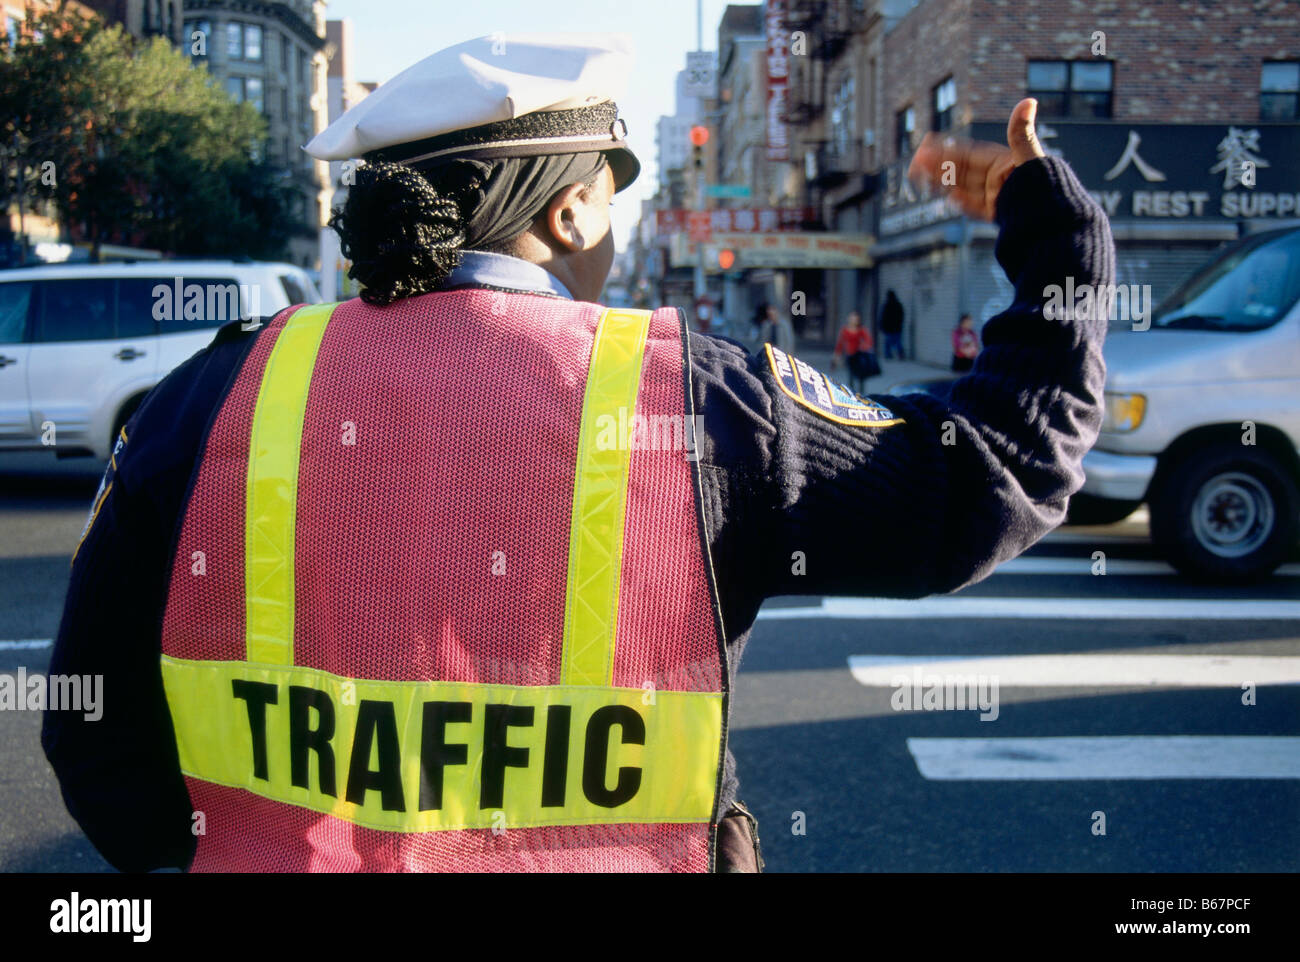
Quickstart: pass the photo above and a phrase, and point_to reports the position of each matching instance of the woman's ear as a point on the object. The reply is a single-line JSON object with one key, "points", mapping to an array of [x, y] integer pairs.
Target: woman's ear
{"points": [[562, 219]]}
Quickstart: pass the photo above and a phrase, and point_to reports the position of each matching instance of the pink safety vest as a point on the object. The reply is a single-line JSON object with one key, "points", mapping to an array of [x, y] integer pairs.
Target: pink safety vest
{"points": [[440, 599]]}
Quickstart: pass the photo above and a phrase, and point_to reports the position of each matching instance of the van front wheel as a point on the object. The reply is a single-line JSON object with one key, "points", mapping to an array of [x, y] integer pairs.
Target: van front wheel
{"points": [[1226, 514]]}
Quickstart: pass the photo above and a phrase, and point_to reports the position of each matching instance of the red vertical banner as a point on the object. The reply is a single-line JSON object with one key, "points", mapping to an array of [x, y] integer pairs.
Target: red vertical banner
{"points": [[778, 79]]}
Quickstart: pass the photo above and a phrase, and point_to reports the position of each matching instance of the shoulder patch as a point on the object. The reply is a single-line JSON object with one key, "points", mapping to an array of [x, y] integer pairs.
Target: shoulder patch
{"points": [[817, 392], [105, 486]]}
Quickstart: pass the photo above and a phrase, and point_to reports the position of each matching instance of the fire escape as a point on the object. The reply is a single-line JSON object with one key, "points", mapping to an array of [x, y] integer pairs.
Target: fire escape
{"points": [[827, 27]]}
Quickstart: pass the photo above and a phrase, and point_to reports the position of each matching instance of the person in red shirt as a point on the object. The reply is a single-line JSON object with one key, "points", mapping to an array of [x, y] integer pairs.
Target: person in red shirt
{"points": [[965, 344], [855, 343]]}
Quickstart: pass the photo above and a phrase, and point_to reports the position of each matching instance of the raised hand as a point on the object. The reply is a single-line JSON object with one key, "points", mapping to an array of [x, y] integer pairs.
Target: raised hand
{"points": [[972, 172]]}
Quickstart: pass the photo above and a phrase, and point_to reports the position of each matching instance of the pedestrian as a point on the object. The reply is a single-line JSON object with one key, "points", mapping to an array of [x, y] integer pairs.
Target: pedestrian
{"points": [[764, 324], [891, 325], [383, 585], [704, 314], [965, 344], [780, 330], [856, 347]]}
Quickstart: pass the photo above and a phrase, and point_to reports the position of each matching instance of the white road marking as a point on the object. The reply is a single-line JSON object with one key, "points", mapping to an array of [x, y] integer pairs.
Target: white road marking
{"points": [[1087, 670], [1107, 757], [1048, 609], [1114, 566], [26, 644], [1081, 566]]}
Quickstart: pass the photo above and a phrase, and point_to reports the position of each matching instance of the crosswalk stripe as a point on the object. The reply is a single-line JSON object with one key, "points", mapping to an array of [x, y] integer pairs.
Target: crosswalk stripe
{"points": [[1052, 609], [1086, 670], [25, 644], [1106, 757]]}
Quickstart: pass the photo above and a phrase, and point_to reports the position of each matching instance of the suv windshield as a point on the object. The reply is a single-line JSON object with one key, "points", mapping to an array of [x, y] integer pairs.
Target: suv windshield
{"points": [[1249, 287]]}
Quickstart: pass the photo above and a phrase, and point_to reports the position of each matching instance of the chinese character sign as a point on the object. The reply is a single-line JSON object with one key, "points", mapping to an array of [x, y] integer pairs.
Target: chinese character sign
{"points": [[1226, 171]]}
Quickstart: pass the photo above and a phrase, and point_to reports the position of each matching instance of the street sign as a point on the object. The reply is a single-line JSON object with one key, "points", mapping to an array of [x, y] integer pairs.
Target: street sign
{"points": [[701, 77], [728, 190], [821, 250]]}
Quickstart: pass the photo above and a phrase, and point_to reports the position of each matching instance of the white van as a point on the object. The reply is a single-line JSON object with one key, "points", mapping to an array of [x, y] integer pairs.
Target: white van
{"points": [[1203, 416], [82, 344]]}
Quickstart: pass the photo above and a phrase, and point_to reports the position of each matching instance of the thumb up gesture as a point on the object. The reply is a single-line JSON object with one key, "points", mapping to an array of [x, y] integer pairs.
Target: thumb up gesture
{"points": [[972, 172]]}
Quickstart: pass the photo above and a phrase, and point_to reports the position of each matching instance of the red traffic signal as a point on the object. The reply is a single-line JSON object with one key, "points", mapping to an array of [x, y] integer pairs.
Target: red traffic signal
{"points": [[699, 135], [726, 258]]}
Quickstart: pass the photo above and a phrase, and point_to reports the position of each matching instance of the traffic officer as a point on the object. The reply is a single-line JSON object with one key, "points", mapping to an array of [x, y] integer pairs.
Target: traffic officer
{"points": [[456, 575]]}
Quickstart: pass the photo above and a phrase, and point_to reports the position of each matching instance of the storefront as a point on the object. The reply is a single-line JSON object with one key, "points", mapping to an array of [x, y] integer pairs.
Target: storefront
{"points": [[1173, 192]]}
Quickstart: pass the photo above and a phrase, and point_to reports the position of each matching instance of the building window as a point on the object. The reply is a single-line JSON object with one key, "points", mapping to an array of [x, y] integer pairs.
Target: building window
{"points": [[842, 125], [302, 67], [252, 42], [1072, 88], [284, 104], [1279, 91], [235, 87], [904, 125], [945, 98], [284, 56], [253, 93], [235, 41]]}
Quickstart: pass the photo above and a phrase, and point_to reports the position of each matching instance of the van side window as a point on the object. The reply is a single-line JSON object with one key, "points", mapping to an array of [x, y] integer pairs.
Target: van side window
{"points": [[76, 310], [203, 302], [135, 304], [293, 290], [15, 300]]}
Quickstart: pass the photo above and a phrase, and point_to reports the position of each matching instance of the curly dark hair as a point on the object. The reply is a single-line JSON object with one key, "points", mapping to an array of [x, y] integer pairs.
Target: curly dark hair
{"points": [[402, 229]]}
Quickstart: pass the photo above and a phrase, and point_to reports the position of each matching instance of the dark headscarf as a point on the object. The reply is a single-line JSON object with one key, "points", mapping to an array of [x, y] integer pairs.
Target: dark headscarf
{"points": [[404, 229], [516, 189]]}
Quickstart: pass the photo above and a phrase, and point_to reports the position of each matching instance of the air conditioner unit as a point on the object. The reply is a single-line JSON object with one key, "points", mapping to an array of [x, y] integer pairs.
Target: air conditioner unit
{"points": [[869, 137]]}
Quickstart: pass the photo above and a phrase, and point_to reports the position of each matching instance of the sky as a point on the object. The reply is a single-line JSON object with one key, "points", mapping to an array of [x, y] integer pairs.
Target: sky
{"points": [[390, 35]]}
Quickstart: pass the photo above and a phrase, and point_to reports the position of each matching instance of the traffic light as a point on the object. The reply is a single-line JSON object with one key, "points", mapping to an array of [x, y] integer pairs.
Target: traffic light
{"points": [[699, 137], [726, 258]]}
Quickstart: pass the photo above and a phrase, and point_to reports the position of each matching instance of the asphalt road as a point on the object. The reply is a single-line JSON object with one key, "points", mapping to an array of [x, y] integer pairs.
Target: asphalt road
{"points": [[842, 781]]}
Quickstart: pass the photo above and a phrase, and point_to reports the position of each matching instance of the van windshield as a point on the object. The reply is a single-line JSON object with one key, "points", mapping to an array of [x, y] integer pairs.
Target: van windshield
{"points": [[1249, 287]]}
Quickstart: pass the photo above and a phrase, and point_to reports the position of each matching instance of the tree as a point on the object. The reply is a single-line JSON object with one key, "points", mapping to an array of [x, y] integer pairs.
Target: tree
{"points": [[142, 146]]}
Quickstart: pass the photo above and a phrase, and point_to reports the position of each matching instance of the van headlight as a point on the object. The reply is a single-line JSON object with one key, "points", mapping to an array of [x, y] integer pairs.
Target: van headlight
{"points": [[1124, 412]]}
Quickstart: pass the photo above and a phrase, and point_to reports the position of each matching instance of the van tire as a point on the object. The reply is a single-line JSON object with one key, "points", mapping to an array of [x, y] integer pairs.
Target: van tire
{"points": [[1226, 513]]}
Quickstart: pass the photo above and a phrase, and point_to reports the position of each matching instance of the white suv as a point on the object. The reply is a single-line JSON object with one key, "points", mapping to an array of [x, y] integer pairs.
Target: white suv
{"points": [[82, 344]]}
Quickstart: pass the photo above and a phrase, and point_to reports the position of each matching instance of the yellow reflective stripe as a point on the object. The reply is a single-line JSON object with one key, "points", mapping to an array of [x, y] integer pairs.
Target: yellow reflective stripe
{"points": [[272, 492], [600, 499], [675, 769]]}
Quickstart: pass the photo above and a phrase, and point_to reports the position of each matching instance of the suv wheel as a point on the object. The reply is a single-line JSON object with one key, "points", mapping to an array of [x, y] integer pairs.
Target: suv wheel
{"points": [[123, 416], [1227, 514]]}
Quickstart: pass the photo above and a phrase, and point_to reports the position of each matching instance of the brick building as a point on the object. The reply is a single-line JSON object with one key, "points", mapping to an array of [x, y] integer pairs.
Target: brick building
{"points": [[1181, 117], [272, 55]]}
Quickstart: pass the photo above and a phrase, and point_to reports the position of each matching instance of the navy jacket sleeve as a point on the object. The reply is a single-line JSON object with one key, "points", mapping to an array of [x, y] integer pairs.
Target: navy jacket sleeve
{"points": [[961, 485], [120, 774]]}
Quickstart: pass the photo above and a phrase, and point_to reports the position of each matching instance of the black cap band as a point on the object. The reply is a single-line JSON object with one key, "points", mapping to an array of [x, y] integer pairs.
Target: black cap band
{"points": [[579, 130]]}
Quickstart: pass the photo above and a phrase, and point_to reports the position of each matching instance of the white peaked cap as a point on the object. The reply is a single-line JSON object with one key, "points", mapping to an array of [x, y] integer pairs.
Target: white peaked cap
{"points": [[419, 115]]}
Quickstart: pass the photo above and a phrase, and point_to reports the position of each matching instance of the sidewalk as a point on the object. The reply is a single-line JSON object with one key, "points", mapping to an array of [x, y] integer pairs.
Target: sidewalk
{"points": [[892, 372]]}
